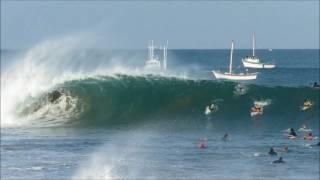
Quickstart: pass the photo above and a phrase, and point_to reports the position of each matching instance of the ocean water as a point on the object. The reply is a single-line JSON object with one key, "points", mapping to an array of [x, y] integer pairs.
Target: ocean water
{"points": [[115, 121]]}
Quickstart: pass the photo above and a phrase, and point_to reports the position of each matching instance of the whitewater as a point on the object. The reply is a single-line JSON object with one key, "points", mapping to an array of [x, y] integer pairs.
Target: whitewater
{"points": [[115, 121]]}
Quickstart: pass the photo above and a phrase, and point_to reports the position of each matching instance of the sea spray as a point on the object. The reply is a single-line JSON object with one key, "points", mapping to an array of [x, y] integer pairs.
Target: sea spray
{"points": [[120, 158], [46, 66], [36, 72]]}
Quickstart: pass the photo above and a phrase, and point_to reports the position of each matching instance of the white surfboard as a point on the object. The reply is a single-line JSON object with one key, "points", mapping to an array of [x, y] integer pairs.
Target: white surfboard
{"points": [[255, 113], [303, 108]]}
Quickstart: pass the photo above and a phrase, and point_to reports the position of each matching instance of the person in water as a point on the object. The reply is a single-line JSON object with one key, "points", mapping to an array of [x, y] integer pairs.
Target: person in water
{"points": [[293, 132], [256, 108], [225, 137], [280, 160], [307, 103], [308, 136], [211, 107], [202, 143], [286, 149], [316, 85], [272, 152]]}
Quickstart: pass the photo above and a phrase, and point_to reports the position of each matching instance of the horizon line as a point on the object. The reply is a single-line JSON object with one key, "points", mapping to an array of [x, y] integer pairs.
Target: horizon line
{"points": [[22, 49]]}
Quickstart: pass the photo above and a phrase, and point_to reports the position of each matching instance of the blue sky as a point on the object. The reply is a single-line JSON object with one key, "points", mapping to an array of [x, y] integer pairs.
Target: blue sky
{"points": [[191, 24]]}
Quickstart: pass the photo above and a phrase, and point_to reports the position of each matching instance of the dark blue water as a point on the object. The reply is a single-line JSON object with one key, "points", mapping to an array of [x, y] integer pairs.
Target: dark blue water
{"points": [[116, 122]]}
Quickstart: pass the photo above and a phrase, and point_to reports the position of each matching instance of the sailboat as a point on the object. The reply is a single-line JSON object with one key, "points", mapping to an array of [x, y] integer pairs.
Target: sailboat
{"points": [[233, 76], [153, 64], [253, 61]]}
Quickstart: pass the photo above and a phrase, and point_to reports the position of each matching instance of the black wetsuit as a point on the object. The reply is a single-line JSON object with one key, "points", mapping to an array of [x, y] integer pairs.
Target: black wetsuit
{"points": [[316, 85], [272, 152], [293, 133]]}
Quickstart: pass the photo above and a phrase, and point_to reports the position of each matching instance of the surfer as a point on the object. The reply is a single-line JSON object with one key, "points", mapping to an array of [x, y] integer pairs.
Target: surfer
{"points": [[225, 137], [202, 144], [316, 85], [292, 133], [280, 160], [307, 103], [240, 89], [212, 107], [54, 95], [256, 108], [272, 152], [308, 136]]}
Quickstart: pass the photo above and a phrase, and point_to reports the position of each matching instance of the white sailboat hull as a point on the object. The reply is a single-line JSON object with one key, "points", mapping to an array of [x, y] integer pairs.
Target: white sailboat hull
{"points": [[152, 64], [257, 65], [241, 76]]}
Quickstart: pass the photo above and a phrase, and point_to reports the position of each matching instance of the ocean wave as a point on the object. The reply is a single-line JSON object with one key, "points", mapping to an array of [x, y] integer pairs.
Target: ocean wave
{"points": [[125, 99]]}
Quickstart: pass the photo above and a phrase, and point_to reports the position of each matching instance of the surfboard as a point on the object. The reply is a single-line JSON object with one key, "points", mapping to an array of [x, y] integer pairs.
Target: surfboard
{"points": [[306, 107], [262, 103], [292, 137], [255, 113], [207, 111], [303, 108], [304, 130]]}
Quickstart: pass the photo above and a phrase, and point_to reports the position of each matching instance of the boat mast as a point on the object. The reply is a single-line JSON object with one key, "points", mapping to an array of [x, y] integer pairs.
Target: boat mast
{"points": [[151, 50], [253, 44], [230, 65], [165, 48]]}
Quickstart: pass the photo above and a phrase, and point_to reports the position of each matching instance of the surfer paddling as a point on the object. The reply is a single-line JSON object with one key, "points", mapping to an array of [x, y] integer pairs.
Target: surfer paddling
{"points": [[306, 104], [292, 134], [285, 149], [226, 137], [315, 85], [272, 152], [202, 144], [54, 96], [256, 110], [308, 136]]}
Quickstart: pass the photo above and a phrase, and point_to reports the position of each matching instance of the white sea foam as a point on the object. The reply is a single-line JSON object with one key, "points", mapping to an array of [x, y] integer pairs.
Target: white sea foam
{"points": [[40, 69], [121, 158]]}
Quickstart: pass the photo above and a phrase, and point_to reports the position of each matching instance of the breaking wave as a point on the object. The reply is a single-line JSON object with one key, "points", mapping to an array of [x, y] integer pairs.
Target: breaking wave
{"points": [[129, 100]]}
